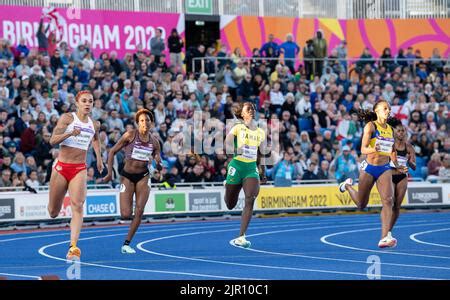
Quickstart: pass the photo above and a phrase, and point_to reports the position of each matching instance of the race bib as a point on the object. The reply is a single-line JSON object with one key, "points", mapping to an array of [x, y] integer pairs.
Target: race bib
{"points": [[363, 165], [385, 144], [401, 160], [231, 171], [250, 152], [142, 153]]}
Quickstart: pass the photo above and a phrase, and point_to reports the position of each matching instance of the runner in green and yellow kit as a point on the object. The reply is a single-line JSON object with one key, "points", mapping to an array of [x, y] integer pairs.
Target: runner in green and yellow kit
{"points": [[242, 172]]}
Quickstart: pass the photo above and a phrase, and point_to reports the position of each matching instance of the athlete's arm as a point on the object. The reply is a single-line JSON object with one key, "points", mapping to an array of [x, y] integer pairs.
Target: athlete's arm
{"points": [[58, 134], [122, 142], [97, 147], [262, 167], [412, 156], [365, 148], [157, 153]]}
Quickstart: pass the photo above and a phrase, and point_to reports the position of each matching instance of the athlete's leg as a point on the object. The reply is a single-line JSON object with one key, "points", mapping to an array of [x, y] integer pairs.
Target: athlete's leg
{"points": [[127, 189], [251, 190], [58, 187], [386, 190], [232, 194], [365, 184], [399, 194], [142, 193], [77, 194]]}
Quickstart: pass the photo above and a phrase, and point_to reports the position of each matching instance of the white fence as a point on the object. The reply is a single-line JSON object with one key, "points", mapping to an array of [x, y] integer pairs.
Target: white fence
{"points": [[341, 9]]}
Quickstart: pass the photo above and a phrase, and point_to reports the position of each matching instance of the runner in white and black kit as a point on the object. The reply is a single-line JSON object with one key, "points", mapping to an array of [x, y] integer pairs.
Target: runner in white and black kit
{"points": [[140, 149]]}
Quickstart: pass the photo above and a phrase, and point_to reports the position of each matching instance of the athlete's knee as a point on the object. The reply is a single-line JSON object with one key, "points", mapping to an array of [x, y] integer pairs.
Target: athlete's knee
{"points": [[139, 211], [125, 214], [76, 207], [230, 204], [250, 200], [52, 212], [388, 200]]}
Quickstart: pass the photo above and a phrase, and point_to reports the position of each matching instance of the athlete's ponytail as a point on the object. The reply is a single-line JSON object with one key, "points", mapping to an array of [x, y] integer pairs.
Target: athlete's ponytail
{"points": [[367, 115]]}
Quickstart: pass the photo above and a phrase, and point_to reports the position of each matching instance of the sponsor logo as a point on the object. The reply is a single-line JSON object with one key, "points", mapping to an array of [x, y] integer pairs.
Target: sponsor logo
{"points": [[7, 209], [204, 201], [419, 195], [101, 205], [170, 202]]}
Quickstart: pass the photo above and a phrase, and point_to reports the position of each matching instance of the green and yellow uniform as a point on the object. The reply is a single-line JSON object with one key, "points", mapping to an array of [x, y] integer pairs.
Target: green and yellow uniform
{"points": [[244, 165]]}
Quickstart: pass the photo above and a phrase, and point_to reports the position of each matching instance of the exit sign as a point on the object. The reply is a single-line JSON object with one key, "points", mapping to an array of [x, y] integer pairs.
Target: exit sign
{"points": [[203, 7]]}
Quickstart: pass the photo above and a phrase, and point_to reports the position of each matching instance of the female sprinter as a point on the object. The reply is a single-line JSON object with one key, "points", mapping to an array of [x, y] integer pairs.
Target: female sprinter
{"points": [[74, 132], [406, 157], [140, 148], [377, 145], [242, 171]]}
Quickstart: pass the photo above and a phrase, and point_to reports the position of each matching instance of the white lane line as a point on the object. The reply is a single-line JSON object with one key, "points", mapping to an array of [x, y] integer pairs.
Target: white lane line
{"points": [[140, 247], [324, 240], [326, 258], [413, 237], [42, 252], [21, 275]]}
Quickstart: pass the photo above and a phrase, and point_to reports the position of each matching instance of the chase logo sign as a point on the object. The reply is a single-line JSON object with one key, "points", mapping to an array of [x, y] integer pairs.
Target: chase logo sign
{"points": [[101, 205], [425, 195]]}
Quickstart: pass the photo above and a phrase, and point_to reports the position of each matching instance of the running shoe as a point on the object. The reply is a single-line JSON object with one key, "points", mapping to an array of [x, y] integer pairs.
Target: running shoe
{"points": [[393, 239], [342, 185], [387, 242], [74, 253], [126, 249], [242, 242]]}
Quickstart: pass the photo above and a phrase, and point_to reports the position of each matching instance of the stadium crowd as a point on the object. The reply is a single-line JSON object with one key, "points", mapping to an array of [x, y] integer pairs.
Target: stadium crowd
{"points": [[316, 101]]}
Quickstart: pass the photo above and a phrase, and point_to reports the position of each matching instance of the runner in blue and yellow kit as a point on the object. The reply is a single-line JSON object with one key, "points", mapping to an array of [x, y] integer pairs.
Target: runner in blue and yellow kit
{"points": [[242, 172], [378, 146]]}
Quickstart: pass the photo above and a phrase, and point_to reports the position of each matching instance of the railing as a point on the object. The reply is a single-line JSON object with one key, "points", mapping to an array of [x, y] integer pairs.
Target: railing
{"points": [[198, 64], [341, 9]]}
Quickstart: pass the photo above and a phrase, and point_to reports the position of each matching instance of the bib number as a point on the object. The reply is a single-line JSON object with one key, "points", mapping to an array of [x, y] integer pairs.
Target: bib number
{"points": [[385, 145], [141, 153], [231, 171], [250, 152], [363, 165]]}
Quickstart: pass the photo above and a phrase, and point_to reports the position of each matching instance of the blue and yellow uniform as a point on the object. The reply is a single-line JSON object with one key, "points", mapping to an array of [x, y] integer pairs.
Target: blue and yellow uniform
{"points": [[244, 165], [384, 137]]}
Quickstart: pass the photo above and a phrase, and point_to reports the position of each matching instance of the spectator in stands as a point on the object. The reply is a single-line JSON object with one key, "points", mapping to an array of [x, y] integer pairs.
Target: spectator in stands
{"points": [[270, 48], [5, 179], [22, 49], [291, 50], [435, 164], [345, 166], [41, 35], [175, 45], [284, 171], [320, 52]]}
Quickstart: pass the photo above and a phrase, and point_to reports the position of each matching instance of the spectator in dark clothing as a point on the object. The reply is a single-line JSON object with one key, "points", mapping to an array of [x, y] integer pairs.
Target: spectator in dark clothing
{"points": [[245, 90], [157, 44], [28, 139], [270, 49], [56, 62], [42, 37], [175, 44], [21, 124], [43, 150], [192, 53], [309, 174]]}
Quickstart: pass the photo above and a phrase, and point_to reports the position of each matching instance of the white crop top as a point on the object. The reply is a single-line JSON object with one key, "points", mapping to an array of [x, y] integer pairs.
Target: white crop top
{"points": [[83, 140]]}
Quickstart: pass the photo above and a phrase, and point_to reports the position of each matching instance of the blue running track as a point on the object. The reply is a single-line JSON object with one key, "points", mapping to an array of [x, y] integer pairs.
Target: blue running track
{"points": [[292, 248]]}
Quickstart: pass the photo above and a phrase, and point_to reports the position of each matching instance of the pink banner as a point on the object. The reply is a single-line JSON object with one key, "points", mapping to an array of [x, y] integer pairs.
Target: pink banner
{"points": [[104, 30]]}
